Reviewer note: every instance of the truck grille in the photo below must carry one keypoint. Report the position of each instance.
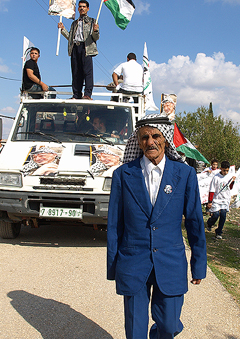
(68, 181)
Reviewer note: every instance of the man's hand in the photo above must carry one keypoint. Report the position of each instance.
(196, 281)
(61, 25)
(95, 27)
(44, 86)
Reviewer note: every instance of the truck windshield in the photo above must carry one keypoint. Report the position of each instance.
(74, 122)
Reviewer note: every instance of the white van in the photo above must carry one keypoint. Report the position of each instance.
(58, 161)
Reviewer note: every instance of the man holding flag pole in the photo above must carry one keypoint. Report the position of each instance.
(82, 47)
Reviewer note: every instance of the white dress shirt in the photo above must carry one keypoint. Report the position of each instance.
(153, 176)
(79, 33)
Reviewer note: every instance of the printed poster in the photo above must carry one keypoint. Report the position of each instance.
(105, 159)
(64, 8)
(168, 106)
(43, 160)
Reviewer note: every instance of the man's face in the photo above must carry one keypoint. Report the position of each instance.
(214, 165)
(224, 171)
(82, 9)
(44, 158)
(152, 143)
(34, 55)
(98, 125)
(168, 107)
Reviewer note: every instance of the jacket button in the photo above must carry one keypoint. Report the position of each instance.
(155, 250)
(154, 228)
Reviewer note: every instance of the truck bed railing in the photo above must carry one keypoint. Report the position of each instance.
(114, 97)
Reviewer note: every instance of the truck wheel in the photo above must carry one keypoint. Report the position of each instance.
(9, 230)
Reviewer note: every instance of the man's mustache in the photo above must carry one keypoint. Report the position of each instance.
(150, 148)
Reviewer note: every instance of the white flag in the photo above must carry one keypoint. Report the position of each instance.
(64, 8)
(147, 83)
(27, 45)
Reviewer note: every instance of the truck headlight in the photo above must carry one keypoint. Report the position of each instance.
(11, 179)
(107, 184)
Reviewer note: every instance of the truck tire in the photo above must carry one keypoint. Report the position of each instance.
(9, 230)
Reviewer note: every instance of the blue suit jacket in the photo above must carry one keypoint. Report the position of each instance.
(141, 236)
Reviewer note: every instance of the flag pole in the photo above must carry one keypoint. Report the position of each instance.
(100, 7)
(59, 34)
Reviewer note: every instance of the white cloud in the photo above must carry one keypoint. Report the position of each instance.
(3, 8)
(199, 82)
(4, 68)
(140, 7)
(8, 109)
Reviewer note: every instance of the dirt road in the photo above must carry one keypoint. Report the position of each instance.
(53, 286)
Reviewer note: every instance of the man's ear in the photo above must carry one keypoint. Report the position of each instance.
(166, 143)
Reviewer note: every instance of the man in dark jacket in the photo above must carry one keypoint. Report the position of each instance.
(82, 47)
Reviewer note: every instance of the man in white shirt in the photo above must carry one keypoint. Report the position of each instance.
(132, 73)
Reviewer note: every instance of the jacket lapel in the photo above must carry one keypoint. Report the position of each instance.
(75, 23)
(168, 185)
(137, 187)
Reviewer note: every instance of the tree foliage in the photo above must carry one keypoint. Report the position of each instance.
(213, 136)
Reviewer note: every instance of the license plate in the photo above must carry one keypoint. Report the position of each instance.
(57, 212)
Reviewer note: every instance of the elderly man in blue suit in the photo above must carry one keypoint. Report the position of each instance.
(146, 255)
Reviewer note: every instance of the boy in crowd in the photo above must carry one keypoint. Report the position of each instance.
(213, 168)
(219, 198)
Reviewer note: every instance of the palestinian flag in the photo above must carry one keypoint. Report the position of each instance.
(183, 145)
(122, 10)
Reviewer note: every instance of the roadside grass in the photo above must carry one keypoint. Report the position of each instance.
(224, 255)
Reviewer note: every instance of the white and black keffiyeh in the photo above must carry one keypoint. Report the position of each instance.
(163, 124)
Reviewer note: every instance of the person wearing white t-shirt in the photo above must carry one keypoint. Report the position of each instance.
(132, 73)
(213, 169)
(219, 198)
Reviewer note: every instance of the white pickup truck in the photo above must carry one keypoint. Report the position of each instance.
(58, 161)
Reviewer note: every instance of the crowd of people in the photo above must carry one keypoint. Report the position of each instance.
(82, 47)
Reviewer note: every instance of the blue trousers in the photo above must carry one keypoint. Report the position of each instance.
(165, 311)
(82, 70)
(221, 214)
(38, 88)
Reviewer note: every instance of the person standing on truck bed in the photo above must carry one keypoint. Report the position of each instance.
(132, 74)
(82, 47)
(31, 76)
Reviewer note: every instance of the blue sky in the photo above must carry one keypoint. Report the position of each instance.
(193, 47)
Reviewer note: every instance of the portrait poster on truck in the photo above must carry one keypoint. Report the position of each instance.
(43, 160)
(105, 159)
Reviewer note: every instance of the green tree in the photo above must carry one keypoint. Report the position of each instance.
(214, 136)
